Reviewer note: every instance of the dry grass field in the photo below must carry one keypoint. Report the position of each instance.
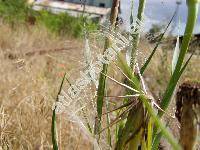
(29, 83)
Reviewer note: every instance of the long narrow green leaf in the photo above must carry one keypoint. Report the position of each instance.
(53, 125)
(100, 97)
(136, 37)
(175, 55)
(54, 132)
(102, 78)
(129, 49)
(109, 137)
(191, 21)
(156, 47)
(157, 139)
(185, 65)
(156, 142)
(159, 135)
(149, 135)
(160, 125)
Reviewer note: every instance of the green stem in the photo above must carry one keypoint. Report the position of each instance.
(191, 20)
(134, 121)
(53, 131)
(53, 125)
(136, 37)
(160, 125)
(102, 78)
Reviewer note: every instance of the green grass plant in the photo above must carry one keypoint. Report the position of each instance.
(140, 125)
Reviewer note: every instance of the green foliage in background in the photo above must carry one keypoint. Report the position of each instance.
(18, 12)
(14, 11)
(64, 24)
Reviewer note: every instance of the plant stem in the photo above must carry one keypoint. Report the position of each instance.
(160, 125)
(134, 122)
(191, 20)
(102, 78)
(136, 37)
(53, 125)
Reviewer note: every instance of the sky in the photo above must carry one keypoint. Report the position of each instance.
(160, 12)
